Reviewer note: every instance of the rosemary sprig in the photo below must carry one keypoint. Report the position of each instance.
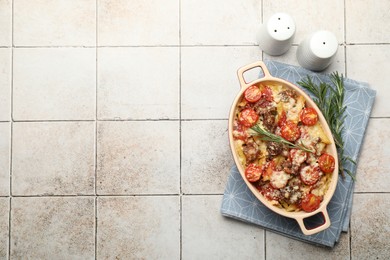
(330, 101)
(270, 137)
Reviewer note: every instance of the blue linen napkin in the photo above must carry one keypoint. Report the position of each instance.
(238, 201)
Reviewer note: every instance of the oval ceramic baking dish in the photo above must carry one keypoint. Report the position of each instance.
(299, 216)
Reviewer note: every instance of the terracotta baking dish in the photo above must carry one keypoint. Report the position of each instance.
(331, 149)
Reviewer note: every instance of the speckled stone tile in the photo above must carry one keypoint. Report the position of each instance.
(206, 156)
(127, 22)
(4, 227)
(206, 234)
(219, 22)
(310, 16)
(53, 228)
(55, 158)
(370, 226)
(138, 227)
(55, 23)
(281, 247)
(373, 162)
(5, 22)
(368, 63)
(138, 83)
(138, 157)
(209, 80)
(290, 57)
(5, 150)
(373, 27)
(54, 84)
(5, 84)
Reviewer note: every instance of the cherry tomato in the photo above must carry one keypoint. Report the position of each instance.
(310, 175)
(298, 156)
(282, 119)
(239, 132)
(310, 203)
(269, 192)
(279, 179)
(268, 169)
(253, 172)
(266, 93)
(308, 116)
(290, 131)
(327, 163)
(248, 117)
(252, 94)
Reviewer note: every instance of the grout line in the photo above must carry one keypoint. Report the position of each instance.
(154, 195)
(345, 40)
(180, 139)
(175, 45)
(99, 195)
(96, 127)
(11, 132)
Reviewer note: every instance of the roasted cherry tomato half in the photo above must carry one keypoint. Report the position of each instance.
(327, 163)
(310, 175)
(252, 94)
(308, 116)
(310, 203)
(297, 156)
(267, 93)
(269, 192)
(240, 132)
(290, 131)
(253, 172)
(248, 117)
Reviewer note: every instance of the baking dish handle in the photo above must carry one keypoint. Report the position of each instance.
(315, 230)
(256, 64)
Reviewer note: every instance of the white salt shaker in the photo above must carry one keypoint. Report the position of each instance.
(276, 35)
(317, 51)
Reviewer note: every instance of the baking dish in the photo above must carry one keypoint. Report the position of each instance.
(299, 216)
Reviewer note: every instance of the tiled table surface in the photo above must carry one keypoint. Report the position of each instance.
(113, 132)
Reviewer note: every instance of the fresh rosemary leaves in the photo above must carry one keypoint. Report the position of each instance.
(330, 100)
(270, 137)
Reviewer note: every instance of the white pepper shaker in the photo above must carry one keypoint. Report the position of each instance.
(317, 51)
(276, 35)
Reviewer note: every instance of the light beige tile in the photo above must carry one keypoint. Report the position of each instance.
(373, 165)
(5, 150)
(310, 16)
(369, 63)
(367, 22)
(55, 23)
(54, 84)
(55, 158)
(206, 234)
(281, 247)
(370, 226)
(206, 156)
(209, 80)
(5, 22)
(5, 84)
(138, 227)
(139, 157)
(290, 57)
(138, 83)
(127, 22)
(53, 228)
(219, 22)
(4, 227)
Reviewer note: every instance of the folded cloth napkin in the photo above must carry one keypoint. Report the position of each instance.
(238, 201)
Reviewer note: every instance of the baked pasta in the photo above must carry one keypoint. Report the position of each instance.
(291, 170)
